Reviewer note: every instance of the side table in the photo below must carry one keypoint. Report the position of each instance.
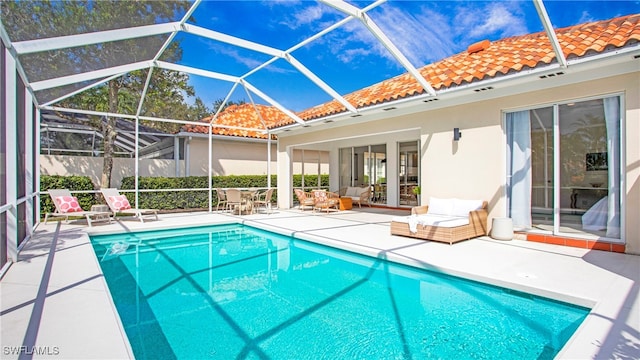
(103, 213)
(502, 229)
(346, 203)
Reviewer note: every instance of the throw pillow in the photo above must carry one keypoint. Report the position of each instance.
(440, 206)
(68, 204)
(320, 195)
(119, 202)
(463, 207)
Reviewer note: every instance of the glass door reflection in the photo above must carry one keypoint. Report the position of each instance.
(408, 173)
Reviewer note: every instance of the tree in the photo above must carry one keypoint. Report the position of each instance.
(26, 20)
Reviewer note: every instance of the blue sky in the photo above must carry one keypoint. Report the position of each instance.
(350, 57)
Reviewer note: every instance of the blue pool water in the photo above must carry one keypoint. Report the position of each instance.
(234, 291)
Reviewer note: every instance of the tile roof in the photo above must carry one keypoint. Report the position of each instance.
(499, 58)
(243, 116)
(484, 60)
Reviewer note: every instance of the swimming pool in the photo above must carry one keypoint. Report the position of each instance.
(234, 291)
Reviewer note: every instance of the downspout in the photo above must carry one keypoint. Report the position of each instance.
(187, 156)
(268, 160)
(176, 154)
(210, 170)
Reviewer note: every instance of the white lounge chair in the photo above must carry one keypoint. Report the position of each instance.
(120, 204)
(67, 205)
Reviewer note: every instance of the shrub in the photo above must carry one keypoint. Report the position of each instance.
(167, 200)
(73, 183)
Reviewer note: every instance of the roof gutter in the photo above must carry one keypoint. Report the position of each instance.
(186, 134)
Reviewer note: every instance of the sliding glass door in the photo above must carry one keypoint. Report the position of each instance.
(365, 166)
(408, 180)
(564, 167)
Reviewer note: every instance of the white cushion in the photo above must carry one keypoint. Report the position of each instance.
(352, 191)
(433, 220)
(443, 221)
(463, 207)
(362, 190)
(440, 206)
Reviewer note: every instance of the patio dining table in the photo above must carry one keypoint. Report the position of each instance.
(248, 195)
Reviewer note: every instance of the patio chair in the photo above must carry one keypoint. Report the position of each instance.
(234, 200)
(326, 200)
(67, 205)
(222, 199)
(304, 199)
(263, 199)
(120, 204)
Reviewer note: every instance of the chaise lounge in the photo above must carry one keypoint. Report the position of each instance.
(67, 206)
(444, 220)
(120, 204)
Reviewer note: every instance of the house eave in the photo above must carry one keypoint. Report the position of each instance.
(611, 63)
(186, 134)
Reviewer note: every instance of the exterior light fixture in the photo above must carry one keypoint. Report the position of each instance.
(456, 134)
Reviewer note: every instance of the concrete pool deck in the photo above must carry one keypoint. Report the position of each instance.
(55, 303)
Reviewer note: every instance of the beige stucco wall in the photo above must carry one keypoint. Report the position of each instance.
(92, 167)
(247, 158)
(229, 158)
(474, 167)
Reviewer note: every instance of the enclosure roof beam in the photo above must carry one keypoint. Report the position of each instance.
(548, 28)
(272, 102)
(383, 39)
(98, 37)
(195, 71)
(90, 75)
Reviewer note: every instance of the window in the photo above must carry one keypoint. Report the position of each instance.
(564, 167)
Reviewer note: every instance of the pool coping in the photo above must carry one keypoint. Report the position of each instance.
(612, 282)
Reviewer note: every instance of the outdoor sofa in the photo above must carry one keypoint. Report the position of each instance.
(444, 220)
(358, 195)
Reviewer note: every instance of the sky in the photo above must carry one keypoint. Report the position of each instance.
(350, 57)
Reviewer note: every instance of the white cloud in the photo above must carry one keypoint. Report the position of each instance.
(353, 42)
(498, 18)
(305, 16)
(235, 54)
(349, 55)
(585, 17)
(423, 34)
(423, 37)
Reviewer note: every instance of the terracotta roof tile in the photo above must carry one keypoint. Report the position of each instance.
(243, 116)
(500, 57)
(486, 60)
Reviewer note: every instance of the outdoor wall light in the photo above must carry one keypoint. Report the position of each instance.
(456, 134)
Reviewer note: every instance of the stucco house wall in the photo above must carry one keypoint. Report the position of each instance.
(92, 166)
(475, 166)
(248, 158)
(231, 157)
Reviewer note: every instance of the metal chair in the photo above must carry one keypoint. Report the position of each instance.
(263, 199)
(222, 199)
(234, 200)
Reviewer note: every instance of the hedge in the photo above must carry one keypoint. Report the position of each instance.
(168, 200)
(73, 183)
